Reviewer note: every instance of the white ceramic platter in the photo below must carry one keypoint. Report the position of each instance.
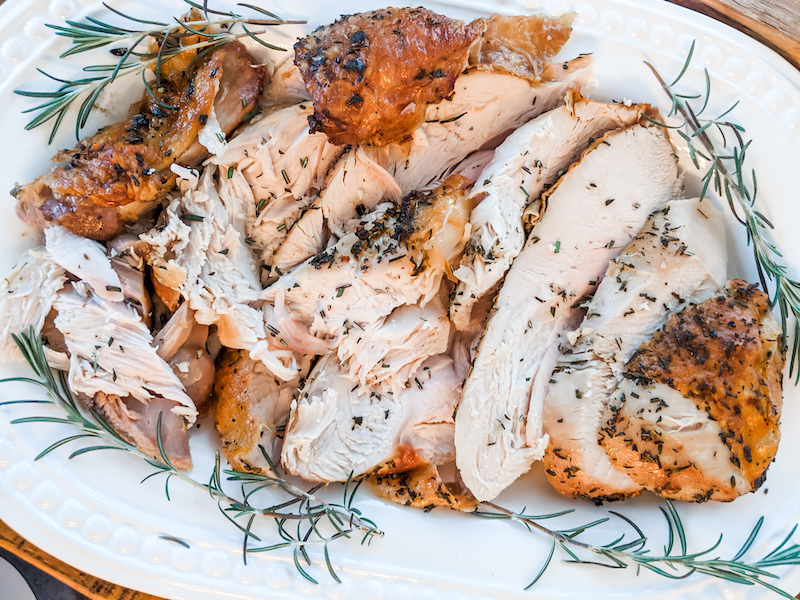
(92, 512)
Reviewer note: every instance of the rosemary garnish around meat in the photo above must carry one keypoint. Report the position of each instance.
(737, 186)
(139, 51)
(303, 519)
(621, 554)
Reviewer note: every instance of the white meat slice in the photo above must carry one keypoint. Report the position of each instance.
(388, 354)
(272, 165)
(27, 295)
(593, 212)
(390, 257)
(111, 352)
(286, 87)
(677, 258)
(86, 259)
(485, 105)
(524, 165)
(337, 430)
(202, 253)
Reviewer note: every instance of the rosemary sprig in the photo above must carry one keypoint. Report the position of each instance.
(675, 562)
(136, 56)
(318, 522)
(738, 187)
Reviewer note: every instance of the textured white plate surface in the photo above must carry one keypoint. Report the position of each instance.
(92, 512)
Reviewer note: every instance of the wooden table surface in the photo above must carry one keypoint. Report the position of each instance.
(776, 23)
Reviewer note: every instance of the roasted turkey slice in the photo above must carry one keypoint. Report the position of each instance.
(393, 256)
(696, 416)
(339, 429)
(527, 162)
(372, 74)
(251, 407)
(675, 260)
(592, 213)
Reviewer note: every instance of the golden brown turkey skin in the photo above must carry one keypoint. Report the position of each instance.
(725, 356)
(116, 175)
(371, 75)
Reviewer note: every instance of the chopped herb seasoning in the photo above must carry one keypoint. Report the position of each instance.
(285, 176)
(230, 172)
(191, 217)
(558, 247)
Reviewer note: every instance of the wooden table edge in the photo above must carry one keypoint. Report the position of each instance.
(89, 586)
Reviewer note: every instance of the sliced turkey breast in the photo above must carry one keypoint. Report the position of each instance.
(338, 430)
(390, 257)
(388, 353)
(199, 250)
(372, 74)
(27, 295)
(251, 410)
(86, 260)
(696, 417)
(676, 259)
(592, 213)
(485, 105)
(357, 180)
(273, 164)
(113, 363)
(524, 165)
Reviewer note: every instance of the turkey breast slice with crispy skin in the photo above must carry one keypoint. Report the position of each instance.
(677, 258)
(390, 257)
(592, 213)
(486, 105)
(339, 430)
(251, 410)
(696, 415)
(524, 165)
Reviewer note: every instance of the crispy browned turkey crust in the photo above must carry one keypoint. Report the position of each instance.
(726, 355)
(421, 487)
(238, 430)
(115, 176)
(371, 75)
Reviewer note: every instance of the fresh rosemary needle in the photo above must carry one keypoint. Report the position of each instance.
(137, 56)
(675, 562)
